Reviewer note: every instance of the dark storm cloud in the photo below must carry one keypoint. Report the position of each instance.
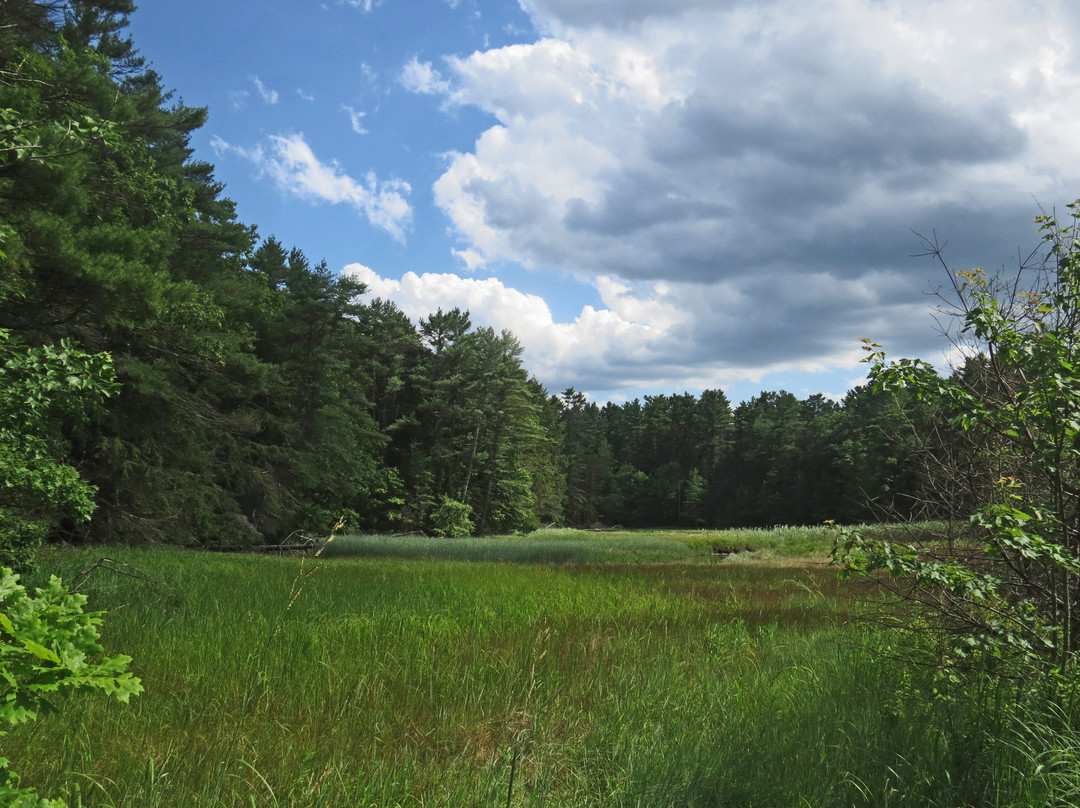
(853, 130)
(760, 169)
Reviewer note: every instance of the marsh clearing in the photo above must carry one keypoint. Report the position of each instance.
(580, 670)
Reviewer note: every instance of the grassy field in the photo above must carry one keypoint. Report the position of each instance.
(567, 546)
(558, 669)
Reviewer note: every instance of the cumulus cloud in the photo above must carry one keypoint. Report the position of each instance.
(556, 352)
(293, 166)
(749, 172)
(647, 334)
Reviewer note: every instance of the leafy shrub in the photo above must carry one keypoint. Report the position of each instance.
(451, 519)
(1013, 408)
(48, 648)
(43, 389)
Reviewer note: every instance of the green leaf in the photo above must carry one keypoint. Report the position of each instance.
(40, 651)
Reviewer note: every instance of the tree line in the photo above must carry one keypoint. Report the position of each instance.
(775, 459)
(256, 393)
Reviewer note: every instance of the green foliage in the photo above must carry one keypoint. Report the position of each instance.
(451, 519)
(42, 390)
(512, 506)
(559, 546)
(49, 647)
(694, 499)
(1009, 587)
(775, 459)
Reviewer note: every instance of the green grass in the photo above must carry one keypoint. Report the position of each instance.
(570, 546)
(591, 678)
(542, 547)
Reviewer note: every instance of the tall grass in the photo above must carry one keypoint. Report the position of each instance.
(570, 546)
(393, 682)
(541, 547)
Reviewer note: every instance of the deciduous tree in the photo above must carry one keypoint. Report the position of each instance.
(1009, 588)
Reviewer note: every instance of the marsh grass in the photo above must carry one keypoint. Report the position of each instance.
(541, 547)
(571, 546)
(383, 681)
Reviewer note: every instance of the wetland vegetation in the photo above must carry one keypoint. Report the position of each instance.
(640, 669)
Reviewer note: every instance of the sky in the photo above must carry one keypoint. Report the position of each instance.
(654, 197)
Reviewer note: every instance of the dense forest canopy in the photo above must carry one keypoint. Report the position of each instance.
(260, 393)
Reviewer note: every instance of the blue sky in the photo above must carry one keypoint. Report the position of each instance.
(654, 197)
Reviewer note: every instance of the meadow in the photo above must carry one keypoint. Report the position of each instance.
(562, 668)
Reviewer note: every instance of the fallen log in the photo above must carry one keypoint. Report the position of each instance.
(287, 547)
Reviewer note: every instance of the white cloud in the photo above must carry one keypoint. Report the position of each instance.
(238, 98)
(268, 95)
(356, 119)
(300, 91)
(553, 350)
(222, 147)
(421, 77)
(639, 337)
(471, 258)
(293, 166)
